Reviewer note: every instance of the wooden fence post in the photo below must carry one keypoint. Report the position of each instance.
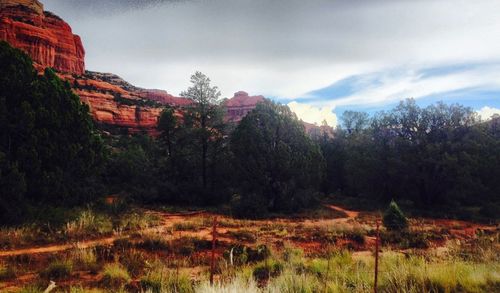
(377, 239)
(212, 261)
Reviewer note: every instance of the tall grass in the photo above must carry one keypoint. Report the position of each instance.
(160, 279)
(88, 223)
(341, 272)
(115, 276)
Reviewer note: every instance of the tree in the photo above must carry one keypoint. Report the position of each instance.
(168, 125)
(278, 167)
(47, 139)
(204, 114)
(394, 219)
(355, 121)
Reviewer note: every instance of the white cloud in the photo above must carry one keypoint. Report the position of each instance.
(487, 112)
(314, 115)
(283, 48)
(390, 87)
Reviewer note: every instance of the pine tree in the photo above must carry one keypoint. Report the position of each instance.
(394, 219)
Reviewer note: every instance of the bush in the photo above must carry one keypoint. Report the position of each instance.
(85, 259)
(115, 276)
(394, 219)
(88, 223)
(137, 221)
(57, 270)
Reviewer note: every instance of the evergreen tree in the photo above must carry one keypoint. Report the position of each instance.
(278, 167)
(49, 151)
(394, 219)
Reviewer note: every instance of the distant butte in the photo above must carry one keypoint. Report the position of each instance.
(240, 105)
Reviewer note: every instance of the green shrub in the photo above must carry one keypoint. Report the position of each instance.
(137, 221)
(57, 270)
(394, 219)
(115, 276)
(88, 223)
(85, 259)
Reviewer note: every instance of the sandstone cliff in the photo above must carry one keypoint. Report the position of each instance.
(240, 105)
(114, 103)
(44, 36)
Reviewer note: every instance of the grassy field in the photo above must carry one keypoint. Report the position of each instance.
(329, 250)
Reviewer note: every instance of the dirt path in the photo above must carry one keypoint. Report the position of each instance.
(350, 214)
(168, 220)
(61, 247)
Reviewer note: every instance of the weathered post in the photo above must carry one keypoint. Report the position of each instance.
(212, 262)
(377, 239)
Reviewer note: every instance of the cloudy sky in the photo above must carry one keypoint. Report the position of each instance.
(320, 57)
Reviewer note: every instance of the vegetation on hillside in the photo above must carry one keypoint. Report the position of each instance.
(49, 151)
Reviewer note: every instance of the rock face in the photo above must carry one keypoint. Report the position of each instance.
(240, 105)
(114, 103)
(31, 4)
(160, 96)
(44, 36)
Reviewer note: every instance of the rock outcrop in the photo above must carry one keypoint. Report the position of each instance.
(114, 103)
(34, 5)
(44, 36)
(240, 105)
(117, 105)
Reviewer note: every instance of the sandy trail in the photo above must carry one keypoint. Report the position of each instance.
(168, 219)
(61, 247)
(350, 214)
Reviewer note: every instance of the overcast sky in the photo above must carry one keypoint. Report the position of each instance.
(320, 57)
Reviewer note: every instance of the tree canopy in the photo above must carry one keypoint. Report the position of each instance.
(278, 167)
(48, 148)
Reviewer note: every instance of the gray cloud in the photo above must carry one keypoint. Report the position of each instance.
(279, 48)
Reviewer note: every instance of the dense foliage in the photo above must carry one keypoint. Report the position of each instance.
(48, 149)
(441, 155)
(394, 219)
(426, 158)
(278, 167)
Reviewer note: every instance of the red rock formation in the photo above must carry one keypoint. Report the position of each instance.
(240, 105)
(114, 104)
(44, 36)
(163, 97)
